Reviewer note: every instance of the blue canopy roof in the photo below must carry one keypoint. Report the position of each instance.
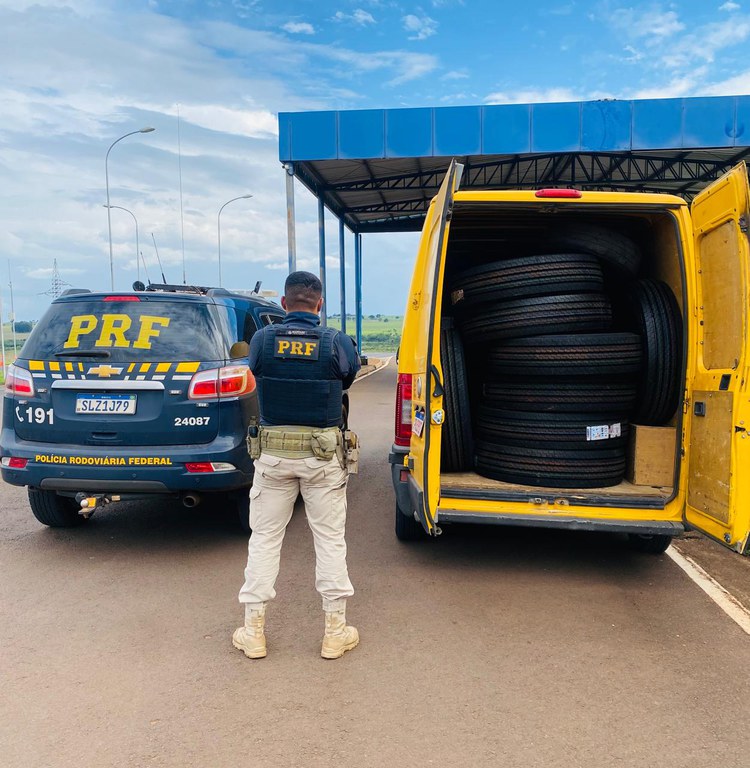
(378, 168)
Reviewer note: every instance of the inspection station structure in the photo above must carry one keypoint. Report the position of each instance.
(376, 170)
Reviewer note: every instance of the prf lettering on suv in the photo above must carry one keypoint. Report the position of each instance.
(135, 395)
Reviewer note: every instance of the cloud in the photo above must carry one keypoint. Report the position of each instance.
(299, 28)
(455, 75)
(660, 40)
(654, 26)
(706, 42)
(729, 7)
(358, 17)
(532, 96)
(420, 27)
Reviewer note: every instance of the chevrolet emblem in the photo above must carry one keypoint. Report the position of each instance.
(104, 371)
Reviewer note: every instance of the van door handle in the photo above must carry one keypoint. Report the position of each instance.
(438, 391)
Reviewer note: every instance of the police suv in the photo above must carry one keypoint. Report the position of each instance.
(133, 395)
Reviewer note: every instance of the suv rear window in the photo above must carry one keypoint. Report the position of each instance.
(124, 331)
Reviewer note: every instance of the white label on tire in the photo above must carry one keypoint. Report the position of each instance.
(597, 433)
(604, 432)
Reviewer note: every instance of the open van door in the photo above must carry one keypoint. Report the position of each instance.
(718, 482)
(427, 384)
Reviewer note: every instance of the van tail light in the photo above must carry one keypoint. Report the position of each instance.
(403, 409)
(19, 382)
(549, 192)
(230, 381)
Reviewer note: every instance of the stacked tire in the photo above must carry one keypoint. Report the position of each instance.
(565, 350)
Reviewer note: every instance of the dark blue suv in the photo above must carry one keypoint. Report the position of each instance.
(134, 395)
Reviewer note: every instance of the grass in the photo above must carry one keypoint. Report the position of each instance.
(10, 354)
(380, 333)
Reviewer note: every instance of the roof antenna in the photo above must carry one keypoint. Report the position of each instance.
(145, 268)
(257, 287)
(161, 269)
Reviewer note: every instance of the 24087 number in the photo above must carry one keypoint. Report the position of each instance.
(191, 421)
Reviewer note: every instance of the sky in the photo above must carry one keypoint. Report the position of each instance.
(211, 76)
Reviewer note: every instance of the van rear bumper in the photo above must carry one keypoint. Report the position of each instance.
(644, 527)
(400, 477)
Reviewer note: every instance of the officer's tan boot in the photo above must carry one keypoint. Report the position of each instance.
(339, 638)
(250, 639)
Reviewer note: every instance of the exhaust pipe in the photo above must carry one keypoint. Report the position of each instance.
(191, 500)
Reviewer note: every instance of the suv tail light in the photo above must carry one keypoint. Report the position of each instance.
(18, 381)
(230, 381)
(403, 409)
(14, 462)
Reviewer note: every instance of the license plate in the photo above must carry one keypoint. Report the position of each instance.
(110, 405)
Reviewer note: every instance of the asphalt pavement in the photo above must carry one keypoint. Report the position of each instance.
(485, 647)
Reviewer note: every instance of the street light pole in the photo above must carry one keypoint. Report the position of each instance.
(218, 227)
(109, 214)
(137, 245)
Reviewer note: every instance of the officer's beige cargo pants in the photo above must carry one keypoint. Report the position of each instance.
(276, 485)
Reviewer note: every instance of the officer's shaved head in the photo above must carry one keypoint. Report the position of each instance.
(302, 292)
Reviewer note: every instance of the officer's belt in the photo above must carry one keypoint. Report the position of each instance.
(293, 442)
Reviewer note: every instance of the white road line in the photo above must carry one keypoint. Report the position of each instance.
(379, 368)
(726, 601)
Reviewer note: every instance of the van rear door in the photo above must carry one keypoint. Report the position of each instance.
(427, 387)
(718, 483)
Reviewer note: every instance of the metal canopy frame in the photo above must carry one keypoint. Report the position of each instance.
(377, 170)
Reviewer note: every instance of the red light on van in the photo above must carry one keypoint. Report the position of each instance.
(121, 298)
(403, 409)
(18, 381)
(551, 192)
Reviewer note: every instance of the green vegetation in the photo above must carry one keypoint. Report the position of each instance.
(9, 353)
(380, 333)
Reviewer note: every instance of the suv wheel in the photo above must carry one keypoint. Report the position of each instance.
(53, 510)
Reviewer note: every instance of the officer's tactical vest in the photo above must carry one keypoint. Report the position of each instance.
(298, 385)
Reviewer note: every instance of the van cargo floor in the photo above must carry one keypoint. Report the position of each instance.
(470, 485)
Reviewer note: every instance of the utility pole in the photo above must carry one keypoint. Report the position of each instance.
(2, 336)
(12, 312)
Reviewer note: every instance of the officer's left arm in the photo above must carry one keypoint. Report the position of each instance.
(346, 360)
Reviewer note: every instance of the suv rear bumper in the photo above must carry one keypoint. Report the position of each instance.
(131, 469)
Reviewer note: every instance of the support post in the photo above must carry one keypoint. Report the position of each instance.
(290, 231)
(322, 258)
(342, 274)
(358, 287)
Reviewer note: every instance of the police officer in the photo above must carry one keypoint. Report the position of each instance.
(301, 370)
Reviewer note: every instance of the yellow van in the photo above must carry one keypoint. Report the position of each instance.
(689, 469)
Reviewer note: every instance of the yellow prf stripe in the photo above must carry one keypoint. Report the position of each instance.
(36, 365)
(69, 367)
(187, 367)
(145, 367)
(162, 367)
(54, 366)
